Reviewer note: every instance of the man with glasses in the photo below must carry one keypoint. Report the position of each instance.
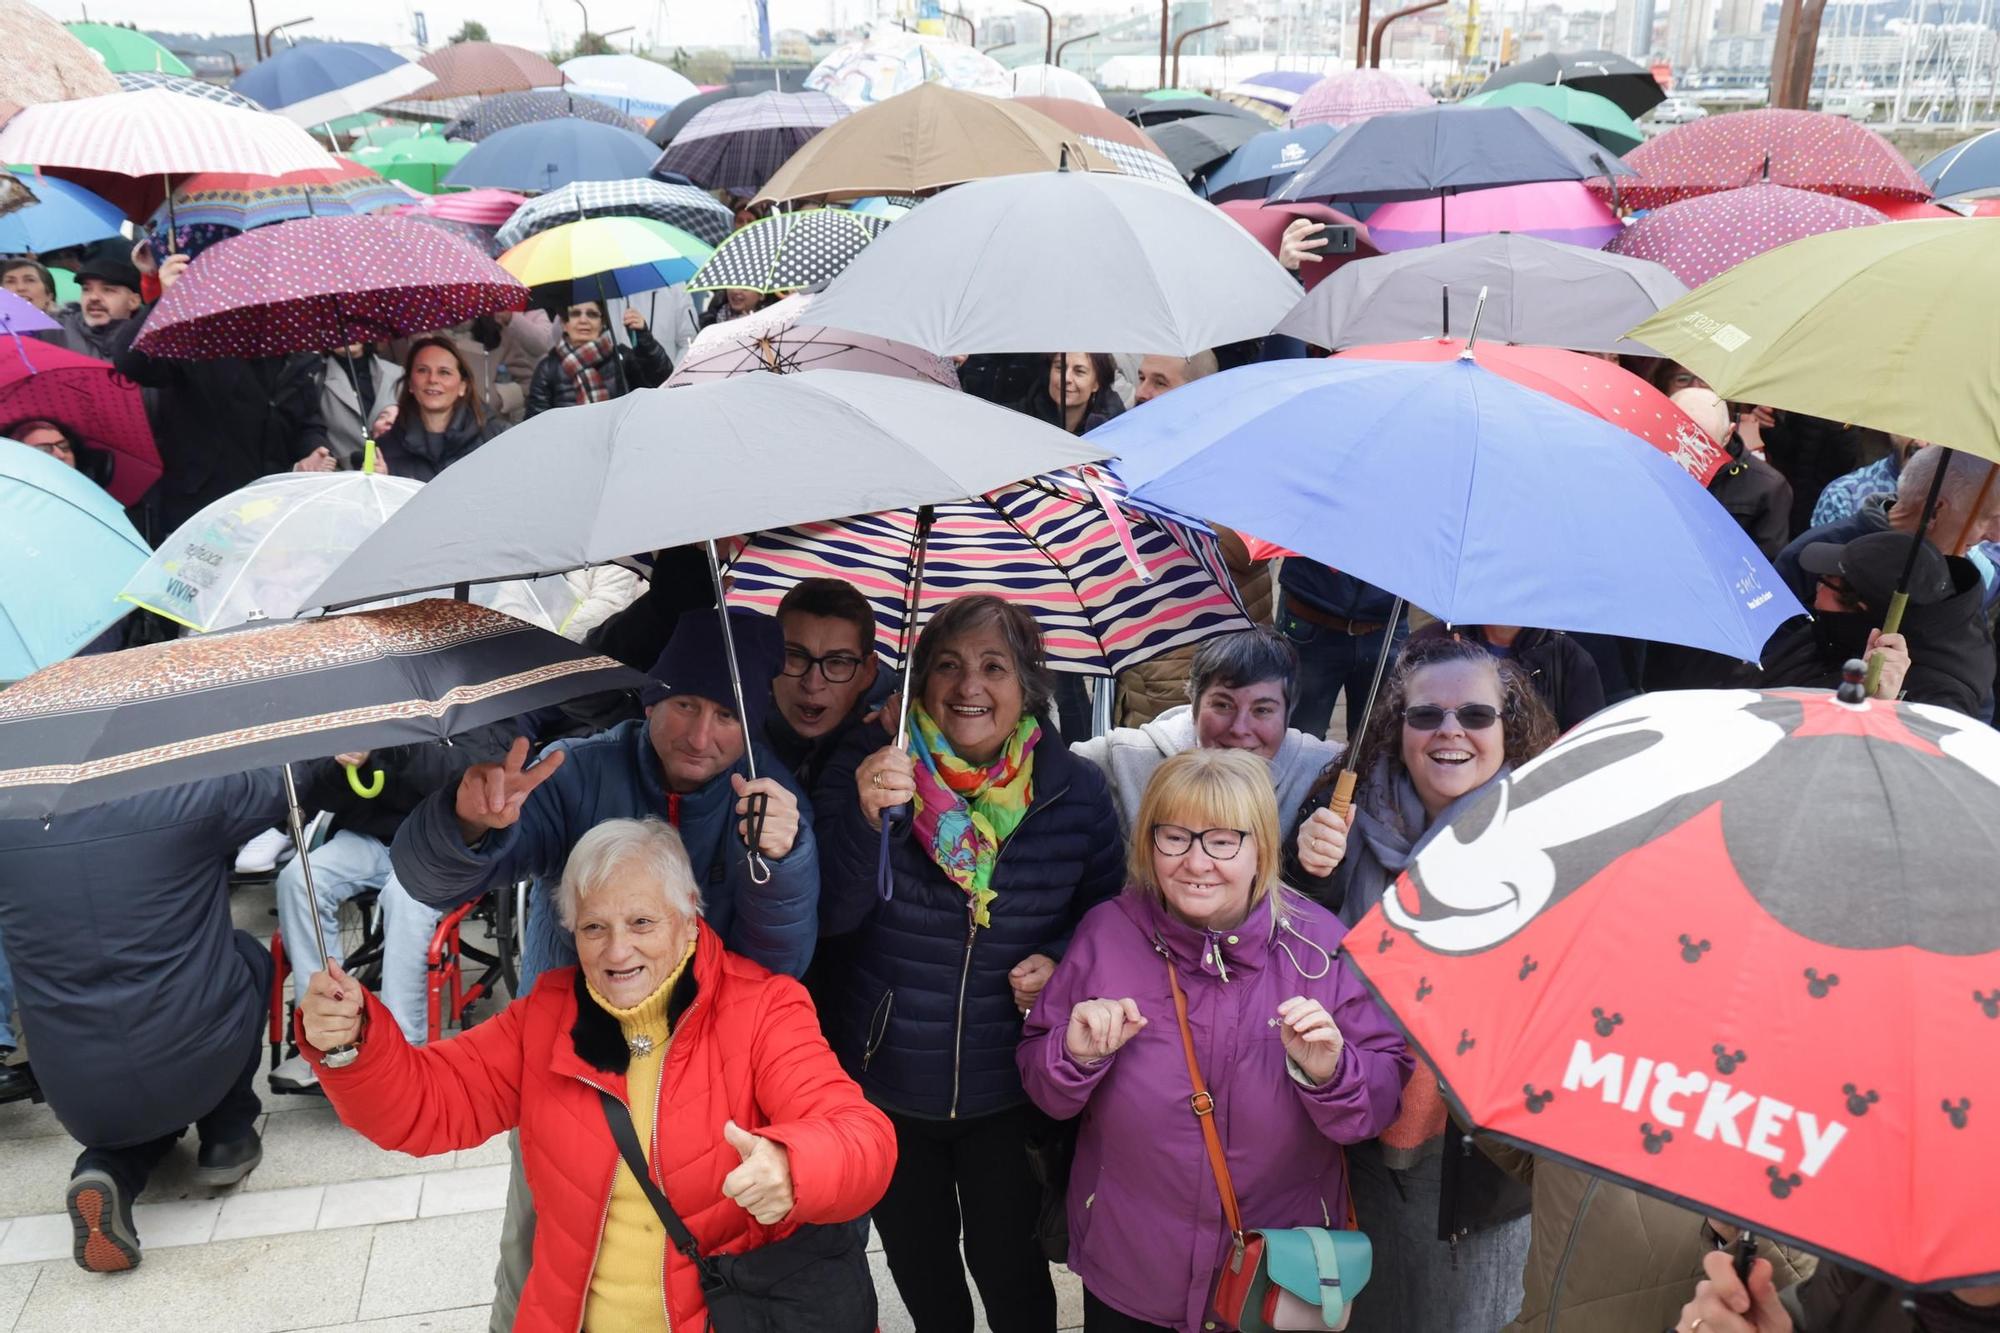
(824, 688)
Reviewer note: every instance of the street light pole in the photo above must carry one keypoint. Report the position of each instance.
(1048, 31)
(256, 33)
(1219, 23)
(1067, 43)
(1163, 41)
(971, 28)
(270, 35)
(585, 38)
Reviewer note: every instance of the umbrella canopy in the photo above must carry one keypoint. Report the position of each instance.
(124, 147)
(1703, 237)
(1608, 959)
(343, 280)
(239, 201)
(18, 316)
(783, 339)
(632, 84)
(891, 62)
(503, 111)
(1055, 83)
(63, 214)
(957, 275)
(664, 128)
(602, 258)
(127, 49)
(422, 161)
(788, 251)
(1194, 144)
(1539, 293)
(42, 61)
(693, 211)
(1563, 211)
(1595, 115)
(480, 69)
(43, 382)
(1279, 89)
(1159, 107)
(322, 81)
(1965, 167)
(1861, 326)
(740, 455)
(1068, 547)
(479, 238)
(922, 141)
(65, 550)
(1094, 122)
(133, 81)
(95, 729)
(1318, 456)
(1806, 150)
(1349, 96)
(478, 208)
(1630, 86)
(551, 153)
(1265, 162)
(738, 144)
(1412, 154)
(1267, 226)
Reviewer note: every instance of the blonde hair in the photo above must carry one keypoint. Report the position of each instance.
(1200, 789)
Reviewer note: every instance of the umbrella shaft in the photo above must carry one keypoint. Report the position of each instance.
(729, 655)
(305, 863)
(1343, 789)
(1893, 621)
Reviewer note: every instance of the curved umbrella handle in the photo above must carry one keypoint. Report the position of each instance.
(368, 790)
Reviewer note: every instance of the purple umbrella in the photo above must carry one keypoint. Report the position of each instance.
(737, 144)
(1704, 237)
(17, 316)
(321, 283)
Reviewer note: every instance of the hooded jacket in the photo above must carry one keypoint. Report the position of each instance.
(411, 451)
(1147, 1235)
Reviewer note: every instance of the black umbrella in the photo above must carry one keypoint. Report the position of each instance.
(1194, 144)
(1632, 86)
(1150, 111)
(503, 111)
(1442, 149)
(666, 127)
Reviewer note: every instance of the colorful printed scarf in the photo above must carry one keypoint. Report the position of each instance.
(580, 367)
(964, 813)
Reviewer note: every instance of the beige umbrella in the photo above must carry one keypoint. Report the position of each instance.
(923, 140)
(42, 61)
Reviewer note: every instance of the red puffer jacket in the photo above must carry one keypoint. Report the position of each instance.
(746, 1046)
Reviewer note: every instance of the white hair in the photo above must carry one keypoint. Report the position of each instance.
(649, 846)
(1962, 481)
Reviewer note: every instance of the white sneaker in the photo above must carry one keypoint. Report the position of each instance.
(260, 854)
(295, 1075)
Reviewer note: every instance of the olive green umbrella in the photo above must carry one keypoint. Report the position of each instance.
(1598, 117)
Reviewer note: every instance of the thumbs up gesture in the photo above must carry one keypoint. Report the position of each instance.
(762, 1185)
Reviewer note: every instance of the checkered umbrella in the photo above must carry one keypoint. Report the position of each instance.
(789, 251)
(490, 115)
(693, 211)
(1137, 161)
(135, 80)
(737, 144)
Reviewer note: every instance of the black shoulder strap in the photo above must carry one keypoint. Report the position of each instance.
(627, 1139)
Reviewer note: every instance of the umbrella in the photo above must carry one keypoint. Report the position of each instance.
(133, 81)
(322, 81)
(693, 211)
(1438, 150)
(552, 153)
(1146, 163)
(1266, 224)
(789, 250)
(63, 214)
(1318, 457)
(1111, 583)
(783, 339)
(1608, 958)
(1054, 83)
(17, 316)
(737, 145)
(65, 549)
(889, 62)
(478, 208)
(1349, 96)
(1563, 211)
(664, 128)
(1604, 389)
(639, 87)
(479, 69)
(44, 62)
(1093, 122)
(240, 201)
(1705, 236)
(1595, 115)
(127, 49)
(479, 238)
(1280, 88)
(43, 382)
(1631, 86)
(1196, 143)
(503, 111)
(422, 161)
(346, 280)
(1265, 162)
(922, 141)
(1154, 109)
(1807, 150)
(1175, 95)
(1965, 167)
(957, 275)
(14, 195)
(602, 258)
(1541, 293)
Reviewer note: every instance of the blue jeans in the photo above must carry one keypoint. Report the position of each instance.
(346, 864)
(1332, 662)
(8, 1037)
(545, 944)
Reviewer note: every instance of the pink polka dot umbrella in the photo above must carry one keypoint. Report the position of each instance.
(1806, 150)
(1702, 238)
(321, 283)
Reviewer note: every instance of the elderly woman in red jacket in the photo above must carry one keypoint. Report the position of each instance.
(744, 1116)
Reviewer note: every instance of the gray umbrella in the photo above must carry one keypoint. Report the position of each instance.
(1540, 293)
(1049, 260)
(1196, 143)
(1439, 149)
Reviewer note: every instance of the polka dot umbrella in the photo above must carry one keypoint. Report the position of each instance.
(790, 251)
(1806, 150)
(321, 283)
(1702, 238)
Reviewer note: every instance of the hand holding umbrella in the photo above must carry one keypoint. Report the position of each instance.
(333, 1012)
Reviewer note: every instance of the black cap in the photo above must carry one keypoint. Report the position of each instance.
(109, 261)
(1871, 566)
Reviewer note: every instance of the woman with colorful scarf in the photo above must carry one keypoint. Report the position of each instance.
(931, 958)
(590, 363)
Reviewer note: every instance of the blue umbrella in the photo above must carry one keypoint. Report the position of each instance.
(1266, 162)
(1965, 167)
(552, 153)
(1465, 494)
(324, 81)
(66, 550)
(1438, 149)
(66, 214)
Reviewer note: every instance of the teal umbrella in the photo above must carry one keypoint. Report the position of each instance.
(1593, 114)
(65, 551)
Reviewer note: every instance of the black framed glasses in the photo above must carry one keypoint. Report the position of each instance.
(834, 668)
(1221, 844)
(1473, 717)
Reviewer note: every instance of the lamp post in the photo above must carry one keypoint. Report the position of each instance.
(1067, 43)
(1206, 27)
(1048, 31)
(1382, 25)
(256, 31)
(971, 28)
(270, 46)
(584, 38)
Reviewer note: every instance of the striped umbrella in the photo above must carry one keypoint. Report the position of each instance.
(481, 208)
(138, 80)
(601, 258)
(1112, 583)
(504, 111)
(694, 211)
(241, 201)
(789, 251)
(478, 69)
(737, 144)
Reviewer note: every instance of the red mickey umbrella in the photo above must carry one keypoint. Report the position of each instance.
(321, 283)
(1807, 150)
(1733, 948)
(1701, 238)
(1602, 388)
(42, 382)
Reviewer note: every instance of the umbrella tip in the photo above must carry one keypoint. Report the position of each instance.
(1853, 682)
(1472, 333)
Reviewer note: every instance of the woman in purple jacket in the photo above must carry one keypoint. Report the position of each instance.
(1298, 1057)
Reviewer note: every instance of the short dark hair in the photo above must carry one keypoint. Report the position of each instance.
(1244, 658)
(1017, 629)
(834, 599)
(1527, 725)
(41, 270)
(1101, 365)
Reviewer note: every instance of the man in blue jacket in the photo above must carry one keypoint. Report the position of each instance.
(1337, 623)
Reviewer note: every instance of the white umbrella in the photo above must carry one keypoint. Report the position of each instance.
(783, 339)
(632, 84)
(1052, 81)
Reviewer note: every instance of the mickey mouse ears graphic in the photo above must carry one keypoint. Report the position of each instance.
(1764, 936)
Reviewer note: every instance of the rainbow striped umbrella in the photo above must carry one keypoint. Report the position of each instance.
(600, 258)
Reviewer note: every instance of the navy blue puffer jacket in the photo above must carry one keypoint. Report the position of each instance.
(922, 1014)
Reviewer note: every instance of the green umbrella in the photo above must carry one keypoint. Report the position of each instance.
(419, 162)
(374, 132)
(127, 51)
(1598, 117)
(1167, 94)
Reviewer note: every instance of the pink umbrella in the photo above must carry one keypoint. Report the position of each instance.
(101, 408)
(1356, 94)
(1268, 223)
(484, 207)
(1553, 210)
(1807, 150)
(781, 339)
(1700, 238)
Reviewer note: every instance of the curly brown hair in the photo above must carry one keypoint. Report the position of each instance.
(1526, 723)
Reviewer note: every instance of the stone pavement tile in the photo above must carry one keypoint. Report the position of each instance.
(437, 1263)
(472, 1190)
(36, 1174)
(268, 1213)
(15, 1284)
(26, 1120)
(241, 1286)
(34, 1239)
(182, 1222)
(355, 1203)
(1069, 1298)
(493, 1152)
(466, 1319)
(312, 1147)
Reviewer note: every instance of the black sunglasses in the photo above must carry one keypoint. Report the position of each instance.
(1473, 717)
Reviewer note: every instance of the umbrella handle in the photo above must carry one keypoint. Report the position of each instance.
(368, 454)
(1891, 624)
(368, 790)
(1342, 801)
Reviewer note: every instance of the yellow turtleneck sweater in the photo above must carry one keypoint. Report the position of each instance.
(626, 1286)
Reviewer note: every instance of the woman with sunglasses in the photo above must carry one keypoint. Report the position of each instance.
(591, 364)
(1297, 1058)
(1451, 718)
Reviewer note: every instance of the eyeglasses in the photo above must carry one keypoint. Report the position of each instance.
(1220, 844)
(1473, 717)
(834, 668)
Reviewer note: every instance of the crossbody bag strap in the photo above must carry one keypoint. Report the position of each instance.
(627, 1139)
(1203, 1105)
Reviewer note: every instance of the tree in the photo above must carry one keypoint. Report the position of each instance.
(472, 30)
(591, 44)
(703, 66)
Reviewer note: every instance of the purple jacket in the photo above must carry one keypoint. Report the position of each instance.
(1145, 1219)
